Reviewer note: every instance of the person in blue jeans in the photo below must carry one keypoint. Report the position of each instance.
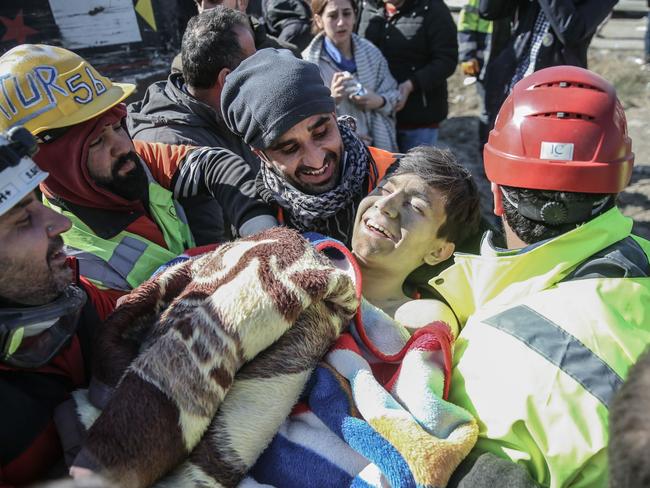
(422, 136)
(418, 38)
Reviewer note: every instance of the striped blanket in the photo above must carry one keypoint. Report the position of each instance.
(373, 414)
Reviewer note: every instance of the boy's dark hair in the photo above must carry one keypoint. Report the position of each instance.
(440, 169)
(532, 231)
(629, 426)
(210, 44)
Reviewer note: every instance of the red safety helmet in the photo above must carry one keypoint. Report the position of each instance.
(562, 129)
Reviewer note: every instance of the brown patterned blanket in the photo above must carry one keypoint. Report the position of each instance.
(192, 350)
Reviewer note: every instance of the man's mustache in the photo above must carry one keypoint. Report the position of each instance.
(330, 157)
(123, 160)
(54, 246)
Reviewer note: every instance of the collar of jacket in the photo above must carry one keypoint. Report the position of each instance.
(176, 91)
(506, 276)
(106, 224)
(259, 30)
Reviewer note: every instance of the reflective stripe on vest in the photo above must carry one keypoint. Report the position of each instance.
(127, 259)
(125, 255)
(95, 269)
(127, 252)
(560, 348)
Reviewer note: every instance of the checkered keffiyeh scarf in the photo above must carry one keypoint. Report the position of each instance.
(331, 213)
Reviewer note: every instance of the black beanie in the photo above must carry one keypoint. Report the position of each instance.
(269, 93)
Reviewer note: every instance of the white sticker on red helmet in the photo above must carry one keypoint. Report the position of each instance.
(561, 151)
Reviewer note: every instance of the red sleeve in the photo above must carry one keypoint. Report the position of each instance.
(104, 301)
(163, 160)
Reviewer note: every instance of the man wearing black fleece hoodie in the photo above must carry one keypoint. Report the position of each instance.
(184, 109)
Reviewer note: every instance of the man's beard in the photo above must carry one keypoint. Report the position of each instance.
(131, 186)
(312, 189)
(30, 283)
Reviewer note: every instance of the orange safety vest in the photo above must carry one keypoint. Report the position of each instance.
(383, 159)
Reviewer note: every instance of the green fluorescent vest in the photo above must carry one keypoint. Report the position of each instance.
(538, 359)
(127, 259)
(470, 21)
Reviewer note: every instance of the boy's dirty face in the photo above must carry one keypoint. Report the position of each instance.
(397, 225)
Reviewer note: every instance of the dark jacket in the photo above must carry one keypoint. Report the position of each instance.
(169, 115)
(572, 25)
(420, 44)
(289, 21)
(263, 39)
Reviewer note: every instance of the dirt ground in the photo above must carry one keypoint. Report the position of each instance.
(459, 131)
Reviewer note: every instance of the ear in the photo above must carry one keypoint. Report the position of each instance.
(498, 200)
(319, 21)
(221, 77)
(440, 254)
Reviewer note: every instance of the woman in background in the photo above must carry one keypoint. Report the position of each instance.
(356, 72)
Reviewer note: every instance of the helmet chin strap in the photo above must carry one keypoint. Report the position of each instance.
(554, 212)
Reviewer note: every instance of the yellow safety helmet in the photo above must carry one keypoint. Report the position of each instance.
(47, 87)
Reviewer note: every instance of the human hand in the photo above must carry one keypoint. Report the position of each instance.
(369, 101)
(470, 68)
(405, 89)
(339, 82)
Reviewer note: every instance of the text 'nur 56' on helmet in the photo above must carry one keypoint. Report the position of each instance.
(47, 87)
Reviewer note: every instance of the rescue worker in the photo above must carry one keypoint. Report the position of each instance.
(315, 170)
(47, 319)
(553, 322)
(261, 36)
(544, 33)
(119, 195)
(479, 41)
